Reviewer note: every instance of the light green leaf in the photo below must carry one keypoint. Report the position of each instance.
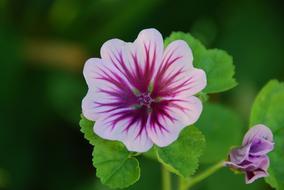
(220, 70)
(217, 64)
(268, 109)
(87, 129)
(115, 165)
(222, 128)
(182, 156)
(196, 46)
(149, 180)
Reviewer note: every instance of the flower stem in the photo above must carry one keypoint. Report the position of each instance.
(186, 184)
(205, 174)
(182, 182)
(166, 179)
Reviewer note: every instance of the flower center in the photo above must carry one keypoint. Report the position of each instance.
(145, 99)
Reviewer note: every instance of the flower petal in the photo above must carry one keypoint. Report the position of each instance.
(138, 61)
(125, 126)
(115, 52)
(151, 45)
(251, 164)
(254, 167)
(90, 70)
(258, 131)
(176, 75)
(255, 162)
(116, 118)
(169, 117)
(251, 176)
(88, 107)
(233, 165)
(108, 91)
(261, 147)
(239, 154)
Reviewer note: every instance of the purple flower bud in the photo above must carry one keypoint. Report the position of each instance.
(251, 158)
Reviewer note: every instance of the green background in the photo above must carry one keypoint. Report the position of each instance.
(43, 46)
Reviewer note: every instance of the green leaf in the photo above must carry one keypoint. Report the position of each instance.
(181, 157)
(150, 177)
(196, 46)
(218, 123)
(115, 165)
(268, 109)
(220, 70)
(217, 64)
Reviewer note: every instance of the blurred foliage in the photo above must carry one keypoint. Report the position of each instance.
(64, 92)
(40, 142)
(217, 122)
(226, 179)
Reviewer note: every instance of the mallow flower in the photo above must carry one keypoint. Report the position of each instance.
(142, 93)
(251, 158)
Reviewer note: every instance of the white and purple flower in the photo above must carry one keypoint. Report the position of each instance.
(141, 93)
(251, 158)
